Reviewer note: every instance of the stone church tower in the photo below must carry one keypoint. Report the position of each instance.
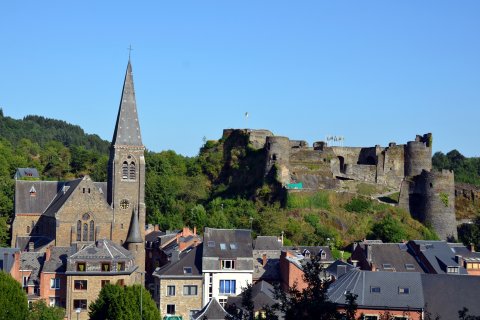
(126, 176)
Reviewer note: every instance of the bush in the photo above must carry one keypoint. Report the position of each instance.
(389, 229)
(358, 205)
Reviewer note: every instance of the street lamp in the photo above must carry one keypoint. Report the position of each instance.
(142, 273)
(77, 311)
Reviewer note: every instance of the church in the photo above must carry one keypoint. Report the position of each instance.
(75, 236)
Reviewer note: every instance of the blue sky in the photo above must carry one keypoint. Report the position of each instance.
(371, 71)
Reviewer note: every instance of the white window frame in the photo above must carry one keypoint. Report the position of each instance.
(55, 283)
(230, 262)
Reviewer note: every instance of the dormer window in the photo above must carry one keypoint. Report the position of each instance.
(105, 267)
(121, 266)
(228, 264)
(452, 269)
(33, 192)
(187, 270)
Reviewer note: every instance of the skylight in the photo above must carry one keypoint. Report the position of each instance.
(409, 266)
(233, 246)
(223, 246)
(211, 244)
(187, 270)
(375, 289)
(387, 266)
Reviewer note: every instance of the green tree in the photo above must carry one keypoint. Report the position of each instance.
(312, 302)
(389, 229)
(13, 300)
(40, 311)
(123, 303)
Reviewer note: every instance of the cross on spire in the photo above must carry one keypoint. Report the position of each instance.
(129, 51)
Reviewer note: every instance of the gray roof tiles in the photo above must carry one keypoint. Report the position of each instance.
(439, 255)
(26, 173)
(394, 257)
(267, 243)
(29, 202)
(32, 261)
(191, 259)
(446, 294)
(389, 284)
(7, 258)
(212, 311)
(102, 250)
(127, 127)
(58, 259)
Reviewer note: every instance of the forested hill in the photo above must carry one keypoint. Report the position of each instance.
(42, 130)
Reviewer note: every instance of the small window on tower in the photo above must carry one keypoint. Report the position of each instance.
(125, 170)
(132, 171)
(124, 204)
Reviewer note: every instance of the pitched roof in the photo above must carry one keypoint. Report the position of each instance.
(212, 311)
(34, 197)
(393, 257)
(191, 259)
(32, 261)
(134, 235)
(467, 254)
(446, 294)
(339, 268)
(271, 270)
(439, 255)
(7, 258)
(127, 127)
(263, 294)
(267, 243)
(227, 243)
(39, 242)
(58, 259)
(102, 250)
(26, 172)
(379, 289)
(61, 197)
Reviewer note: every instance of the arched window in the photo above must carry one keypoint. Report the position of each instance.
(85, 232)
(28, 229)
(125, 170)
(132, 171)
(79, 230)
(92, 231)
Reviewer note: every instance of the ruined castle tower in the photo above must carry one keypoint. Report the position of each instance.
(438, 190)
(278, 155)
(418, 155)
(126, 175)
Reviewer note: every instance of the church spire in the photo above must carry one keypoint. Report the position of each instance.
(134, 235)
(127, 128)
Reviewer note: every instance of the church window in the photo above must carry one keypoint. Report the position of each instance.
(85, 216)
(28, 229)
(79, 230)
(125, 170)
(85, 232)
(132, 171)
(92, 230)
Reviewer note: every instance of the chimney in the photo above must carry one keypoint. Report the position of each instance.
(471, 247)
(156, 227)
(194, 230)
(31, 246)
(459, 260)
(264, 259)
(368, 249)
(48, 253)
(355, 263)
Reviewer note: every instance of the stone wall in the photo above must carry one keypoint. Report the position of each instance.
(184, 304)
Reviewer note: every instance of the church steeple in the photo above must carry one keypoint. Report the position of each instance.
(127, 128)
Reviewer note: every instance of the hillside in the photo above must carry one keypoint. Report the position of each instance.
(225, 186)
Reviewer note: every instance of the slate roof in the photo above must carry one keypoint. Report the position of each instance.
(393, 257)
(45, 192)
(263, 294)
(271, 270)
(26, 173)
(49, 195)
(7, 258)
(39, 242)
(446, 294)
(314, 250)
(461, 250)
(227, 244)
(213, 238)
(267, 243)
(32, 261)
(154, 236)
(134, 235)
(212, 311)
(127, 127)
(101, 250)
(58, 259)
(191, 259)
(61, 197)
(335, 268)
(439, 255)
(364, 284)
